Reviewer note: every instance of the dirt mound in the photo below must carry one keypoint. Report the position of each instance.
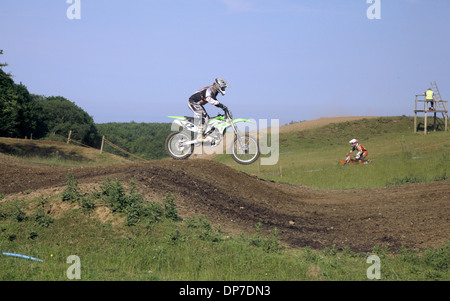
(414, 216)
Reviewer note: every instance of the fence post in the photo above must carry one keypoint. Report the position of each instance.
(415, 116)
(446, 115)
(68, 138)
(103, 141)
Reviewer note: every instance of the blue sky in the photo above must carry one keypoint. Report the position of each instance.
(290, 60)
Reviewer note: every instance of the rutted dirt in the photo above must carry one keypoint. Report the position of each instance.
(414, 216)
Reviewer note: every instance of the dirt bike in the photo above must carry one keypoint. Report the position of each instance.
(180, 145)
(349, 160)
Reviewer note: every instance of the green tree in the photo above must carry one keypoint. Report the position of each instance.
(24, 115)
(8, 113)
(60, 116)
(18, 111)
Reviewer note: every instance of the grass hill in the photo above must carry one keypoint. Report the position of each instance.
(310, 157)
(56, 153)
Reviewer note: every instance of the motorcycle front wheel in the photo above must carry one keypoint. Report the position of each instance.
(245, 151)
(176, 145)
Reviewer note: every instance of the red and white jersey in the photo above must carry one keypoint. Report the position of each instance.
(361, 149)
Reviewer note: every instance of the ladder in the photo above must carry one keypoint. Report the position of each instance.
(438, 104)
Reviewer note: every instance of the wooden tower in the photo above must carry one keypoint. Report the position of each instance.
(440, 106)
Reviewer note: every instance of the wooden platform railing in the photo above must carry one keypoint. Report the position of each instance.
(439, 107)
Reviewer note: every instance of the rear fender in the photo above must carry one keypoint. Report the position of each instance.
(182, 122)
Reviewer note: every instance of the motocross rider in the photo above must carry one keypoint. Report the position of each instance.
(362, 152)
(206, 95)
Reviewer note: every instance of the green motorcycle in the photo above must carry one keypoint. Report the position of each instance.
(180, 144)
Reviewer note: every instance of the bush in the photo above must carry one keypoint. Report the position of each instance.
(269, 244)
(171, 211)
(204, 228)
(154, 213)
(132, 204)
(19, 215)
(113, 194)
(118, 199)
(3, 215)
(42, 219)
(72, 193)
(88, 203)
(438, 258)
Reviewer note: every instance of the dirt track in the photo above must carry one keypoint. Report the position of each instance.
(414, 216)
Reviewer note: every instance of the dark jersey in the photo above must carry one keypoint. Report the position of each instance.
(204, 95)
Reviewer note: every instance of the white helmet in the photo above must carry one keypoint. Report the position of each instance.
(220, 84)
(353, 142)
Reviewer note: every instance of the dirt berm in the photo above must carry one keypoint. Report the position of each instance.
(413, 216)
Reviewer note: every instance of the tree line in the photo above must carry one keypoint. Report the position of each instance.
(26, 115)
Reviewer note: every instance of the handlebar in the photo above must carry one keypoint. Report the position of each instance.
(227, 114)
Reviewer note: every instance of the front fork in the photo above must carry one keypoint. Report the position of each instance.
(233, 126)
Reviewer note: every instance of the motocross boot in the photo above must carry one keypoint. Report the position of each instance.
(200, 133)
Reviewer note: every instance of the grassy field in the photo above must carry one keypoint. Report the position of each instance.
(310, 157)
(149, 242)
(116, 236)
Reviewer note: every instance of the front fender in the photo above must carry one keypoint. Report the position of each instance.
(242, 120)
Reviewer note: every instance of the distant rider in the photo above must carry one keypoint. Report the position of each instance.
(206, 95)
(362, 151)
